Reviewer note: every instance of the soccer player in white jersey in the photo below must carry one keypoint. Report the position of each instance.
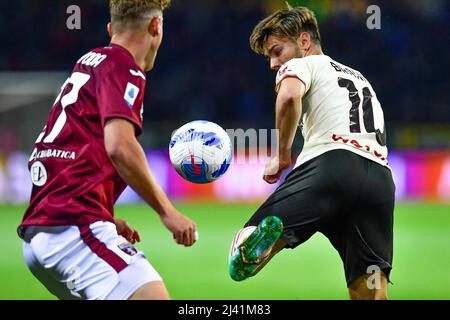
(341, 184)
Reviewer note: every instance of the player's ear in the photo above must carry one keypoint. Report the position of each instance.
(155, 26)
(304, 40)
(109, 29)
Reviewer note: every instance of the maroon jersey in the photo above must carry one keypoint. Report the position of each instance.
(74, 181)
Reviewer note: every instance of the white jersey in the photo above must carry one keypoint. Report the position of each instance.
(340, 109)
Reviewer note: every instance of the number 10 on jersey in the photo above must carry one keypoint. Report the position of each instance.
(368, 116)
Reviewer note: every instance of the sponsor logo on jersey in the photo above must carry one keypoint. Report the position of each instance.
(52, 153)
(131, 93)
(355, 143)
(38, 174)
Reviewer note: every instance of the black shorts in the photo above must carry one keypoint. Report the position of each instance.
(348, 198)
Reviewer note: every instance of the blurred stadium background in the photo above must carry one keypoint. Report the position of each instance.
(205, 70)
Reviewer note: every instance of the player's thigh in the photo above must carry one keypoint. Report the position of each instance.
(90, 262)
(364, 234)
(131, 269)
(308, 198)
(155, 290)
(43, 275)
(139, 280)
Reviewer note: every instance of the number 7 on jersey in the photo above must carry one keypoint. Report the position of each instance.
(78, 80)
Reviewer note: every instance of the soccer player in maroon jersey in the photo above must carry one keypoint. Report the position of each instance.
(83, 160)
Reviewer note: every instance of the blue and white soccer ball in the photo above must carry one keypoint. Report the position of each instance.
(200, 151)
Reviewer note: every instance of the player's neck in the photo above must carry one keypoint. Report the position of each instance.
(313, 51)
(134, 47)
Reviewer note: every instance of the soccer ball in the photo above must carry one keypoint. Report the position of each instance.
(200, 151)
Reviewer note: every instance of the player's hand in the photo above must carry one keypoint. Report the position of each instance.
(274, 169)
(127, 231)
(182, 228)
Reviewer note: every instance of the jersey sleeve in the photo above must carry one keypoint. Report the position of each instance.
(120, 95)
(299, 68)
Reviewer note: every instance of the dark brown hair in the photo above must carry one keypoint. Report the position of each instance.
(288, 23)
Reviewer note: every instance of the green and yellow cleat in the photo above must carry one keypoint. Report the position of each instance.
(253, 251)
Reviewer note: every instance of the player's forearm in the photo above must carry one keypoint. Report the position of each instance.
(288, 112)
(131, 164)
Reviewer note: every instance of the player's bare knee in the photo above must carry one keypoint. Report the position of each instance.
(364, 288)
(368, 294)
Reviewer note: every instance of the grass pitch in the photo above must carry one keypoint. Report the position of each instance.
(421, 267)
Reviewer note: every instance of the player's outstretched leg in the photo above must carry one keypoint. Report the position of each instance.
(252, 247)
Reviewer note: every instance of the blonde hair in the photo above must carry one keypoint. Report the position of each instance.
(131, 13)
(288, 23)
